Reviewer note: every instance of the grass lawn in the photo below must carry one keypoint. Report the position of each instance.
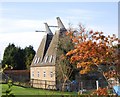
(17, 90)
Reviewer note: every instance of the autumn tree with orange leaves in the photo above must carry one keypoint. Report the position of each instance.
(93, 49)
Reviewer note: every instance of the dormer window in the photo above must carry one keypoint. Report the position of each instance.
(38, 60)
(51, 58)
(35, 60)
(46, 58)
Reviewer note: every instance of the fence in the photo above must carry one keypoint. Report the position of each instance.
(81, 85)
(22, 77)
(44, 84)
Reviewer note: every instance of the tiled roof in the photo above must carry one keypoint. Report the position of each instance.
(46, 53)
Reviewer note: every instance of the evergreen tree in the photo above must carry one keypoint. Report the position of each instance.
(29, 55)
(18, 58)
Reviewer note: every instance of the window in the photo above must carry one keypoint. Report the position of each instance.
(44, 74)
(51, 74)
(38, 74)
(32, 74)
(38, 60)
(35, 60)
(51, 58)
(46, 58)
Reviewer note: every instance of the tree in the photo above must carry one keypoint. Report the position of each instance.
(29, 55)
(91, 50)
(118, 65)
(7, 55)
(65, 70)
(13, 56)
(17, 58)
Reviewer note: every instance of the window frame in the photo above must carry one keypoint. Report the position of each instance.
(51, 59)
(38, 74)
(35, 61)
(38, 60)
(44, 74)
(46, 59)
(51, 74)
(32, 76)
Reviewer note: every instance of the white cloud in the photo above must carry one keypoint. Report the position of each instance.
(81, 14)
(22, 32)
(107, 30)
(17, 25)
(21, 39)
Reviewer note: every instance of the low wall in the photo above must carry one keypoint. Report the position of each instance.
(16, 75)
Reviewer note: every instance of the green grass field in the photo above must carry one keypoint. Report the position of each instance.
(17, 90)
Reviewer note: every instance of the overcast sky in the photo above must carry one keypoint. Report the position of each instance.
(20, 20)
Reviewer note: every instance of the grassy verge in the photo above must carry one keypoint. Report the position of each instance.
(17, 90)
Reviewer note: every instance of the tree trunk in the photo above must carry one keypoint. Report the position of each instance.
(109, 84)
(63, 85)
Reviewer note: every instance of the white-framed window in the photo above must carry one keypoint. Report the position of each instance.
(35, 60)
(38, 60)
(51, 74)
(46, 58)
(44, 74)
(38, 74)
(32, 74)
(51, 58)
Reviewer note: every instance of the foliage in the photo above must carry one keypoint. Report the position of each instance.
(17, 58)
(9, 90)
(29, 55)
(65, 70)
(100, 92)
(92, 49)
(118, 65)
